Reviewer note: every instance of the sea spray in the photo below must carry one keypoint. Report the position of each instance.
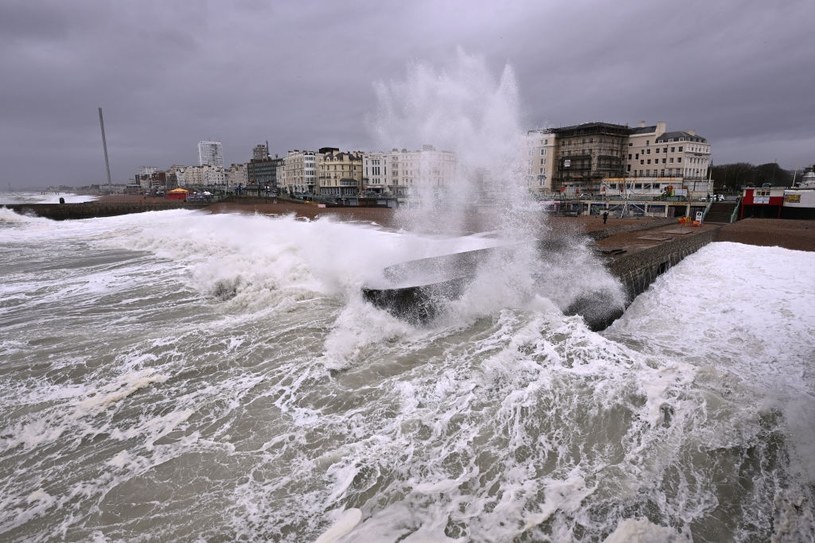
(461, 108)
(464, 108)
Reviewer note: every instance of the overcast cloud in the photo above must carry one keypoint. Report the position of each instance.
(302, 75)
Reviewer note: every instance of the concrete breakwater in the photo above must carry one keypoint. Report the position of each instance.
(635, 254)
(88, 210)
(638, 267)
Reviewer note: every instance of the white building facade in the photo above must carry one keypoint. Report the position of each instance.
(193, 176)
(299, 172)
(210, 153)
(654, 152)
(375, 173)
(235, 175)
(540, 144)
(399, 172)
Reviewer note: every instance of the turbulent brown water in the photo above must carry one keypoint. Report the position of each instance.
(183, 376)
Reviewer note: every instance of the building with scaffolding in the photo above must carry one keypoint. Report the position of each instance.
(611, 160)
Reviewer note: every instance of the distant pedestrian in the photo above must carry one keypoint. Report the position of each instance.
(605, 217)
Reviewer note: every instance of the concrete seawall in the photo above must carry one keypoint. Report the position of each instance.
(88, 210)
(634, 253)
(639, 268)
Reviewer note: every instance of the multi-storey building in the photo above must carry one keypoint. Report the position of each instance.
(260, 152)
(609, 159)
(654, 152)
(540, 159)
(175, 174)
(662, 162)
(236, 175)
(339, 174)
(376, 173)
(151, 178)
(398, 172)
(213, 175)
(187, 176)
(205, 175)
(210, 153)
(300, 172)
(263, 173)
(588, 153)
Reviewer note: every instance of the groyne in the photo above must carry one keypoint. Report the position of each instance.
(101, 208)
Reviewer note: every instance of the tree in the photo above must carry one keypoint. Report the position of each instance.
(731, 177)
(773, 174)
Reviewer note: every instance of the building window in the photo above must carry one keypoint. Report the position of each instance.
(680, 148)
(673, 149)
(657, 150)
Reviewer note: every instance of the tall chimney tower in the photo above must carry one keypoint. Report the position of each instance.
(105, 148)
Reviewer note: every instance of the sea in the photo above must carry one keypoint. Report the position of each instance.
(185, 376)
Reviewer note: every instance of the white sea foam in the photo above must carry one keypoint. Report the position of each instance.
(747, 313)
(643, 531)
(117, 391)
(346, 521)
(485, 424)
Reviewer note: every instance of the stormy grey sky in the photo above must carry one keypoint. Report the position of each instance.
(302, 74)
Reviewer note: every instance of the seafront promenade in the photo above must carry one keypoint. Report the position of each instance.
(790, 234)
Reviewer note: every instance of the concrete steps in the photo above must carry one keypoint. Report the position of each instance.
(720, 212)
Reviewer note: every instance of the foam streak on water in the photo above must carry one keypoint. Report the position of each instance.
(228, 382)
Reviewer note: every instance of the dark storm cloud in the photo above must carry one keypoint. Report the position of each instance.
(301, 75)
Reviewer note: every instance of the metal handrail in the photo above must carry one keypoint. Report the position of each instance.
(735, 213)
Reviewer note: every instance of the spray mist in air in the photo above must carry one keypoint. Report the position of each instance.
(466, 109)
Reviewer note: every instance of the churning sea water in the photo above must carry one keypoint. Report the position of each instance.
(179, 376)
